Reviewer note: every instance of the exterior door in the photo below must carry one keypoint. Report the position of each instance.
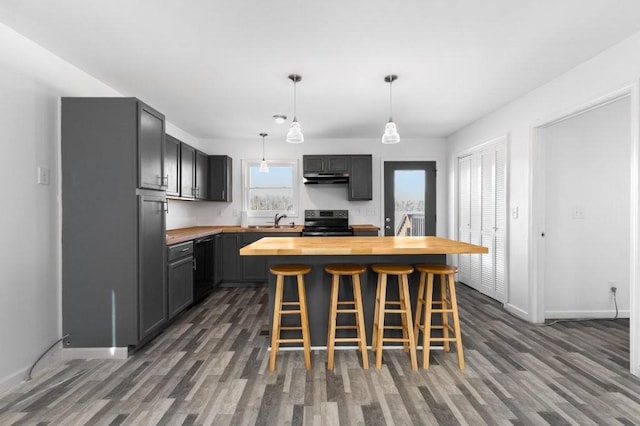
(409, 198)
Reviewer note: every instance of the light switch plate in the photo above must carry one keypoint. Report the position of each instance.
(43, 175)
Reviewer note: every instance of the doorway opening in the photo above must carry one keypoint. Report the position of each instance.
(584, 189)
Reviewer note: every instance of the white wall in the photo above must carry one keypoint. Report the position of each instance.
(612, 69)
(188, 213)
(32, 80)
(587, 175)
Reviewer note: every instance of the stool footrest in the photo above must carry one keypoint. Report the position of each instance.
(290, 303)
(394, 339)
(346, 339)
(291, 328)
(290, 340)
(290, 312)
(346, 302)
(346, 311)
(346, 327)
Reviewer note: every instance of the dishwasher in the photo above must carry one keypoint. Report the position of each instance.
(204, 271)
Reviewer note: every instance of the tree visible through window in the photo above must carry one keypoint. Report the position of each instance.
(265, 194)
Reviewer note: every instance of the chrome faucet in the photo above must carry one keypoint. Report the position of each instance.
(276, 220)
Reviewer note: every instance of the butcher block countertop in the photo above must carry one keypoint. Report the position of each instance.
(341, 246)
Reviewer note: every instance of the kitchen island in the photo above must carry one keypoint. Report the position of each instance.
(320, 251)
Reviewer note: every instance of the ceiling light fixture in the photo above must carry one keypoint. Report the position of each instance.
(264, 168)
(295, 132)
(390, 132)
(279, 119)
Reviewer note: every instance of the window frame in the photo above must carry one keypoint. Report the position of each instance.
(247, 164)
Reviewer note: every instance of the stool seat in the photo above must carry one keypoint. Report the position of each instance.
(427, 306)
(353, 307)
(436, 269)
(392, 269)
(296, 307)
(290, 270)
(401, 307)
(344, 269)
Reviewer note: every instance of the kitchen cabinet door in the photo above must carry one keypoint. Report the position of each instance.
(172, 165)
(230, 258)
(202, 176)
(253, 268)
(151, 149)
(187, 171)
(220, 173)
(151, 242)
(218, 261)
(325, 163)
(180, 285)
(360, 179)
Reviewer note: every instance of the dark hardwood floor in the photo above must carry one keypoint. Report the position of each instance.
(210, 368)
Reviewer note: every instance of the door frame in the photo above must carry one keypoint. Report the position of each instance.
(537, 211)
(441, 190)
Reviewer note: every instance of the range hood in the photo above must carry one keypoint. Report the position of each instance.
(313, 178)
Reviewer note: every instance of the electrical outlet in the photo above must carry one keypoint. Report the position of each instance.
(43, 175)
(612, 287)
(577, 212)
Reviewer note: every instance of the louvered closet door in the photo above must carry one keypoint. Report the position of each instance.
(482, 219)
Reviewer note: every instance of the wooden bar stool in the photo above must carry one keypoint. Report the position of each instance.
(403, 308)
(281, 308)
(338, 270)
(448, 304)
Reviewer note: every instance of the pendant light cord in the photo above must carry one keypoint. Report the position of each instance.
(295, 97)
(391, 101)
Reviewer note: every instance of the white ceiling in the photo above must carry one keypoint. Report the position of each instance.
(218, 69)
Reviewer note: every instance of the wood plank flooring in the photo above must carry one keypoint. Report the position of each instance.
(210, 368)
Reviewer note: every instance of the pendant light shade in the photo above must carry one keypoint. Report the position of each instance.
(390, 131)
(264, 168)
(295, 131)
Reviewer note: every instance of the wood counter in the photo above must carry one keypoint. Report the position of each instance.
(348, 246)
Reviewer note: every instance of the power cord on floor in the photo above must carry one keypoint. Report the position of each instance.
(42, 356)
(615, 302)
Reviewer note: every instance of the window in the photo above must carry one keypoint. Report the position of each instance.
(265, 194)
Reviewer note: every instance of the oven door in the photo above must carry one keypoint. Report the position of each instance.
(327, 233)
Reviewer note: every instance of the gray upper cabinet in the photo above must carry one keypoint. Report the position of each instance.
(187, 171)
(325, 163)
(113, 229)
(151, 148)
(201, 177)
(172, 165)
(220, 182)
(360, 182)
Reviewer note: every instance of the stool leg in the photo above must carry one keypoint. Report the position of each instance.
(382, 294)
(376, 312)
(304, 320)
(403, 317)
(420, 305)
(456, 322)
(446, 305)
(362, 337)
(275, 326)
(406, 300)
(333, 316)
(426, 343)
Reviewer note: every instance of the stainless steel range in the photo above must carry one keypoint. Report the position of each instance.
(326, 223)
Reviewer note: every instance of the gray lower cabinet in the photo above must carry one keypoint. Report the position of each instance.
(113, 226)
(179, 277)
(238, 269)
(365, 233)
(217, 260)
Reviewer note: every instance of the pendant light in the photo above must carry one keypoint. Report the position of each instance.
(295, 132)
(390, 132)
(264, 168)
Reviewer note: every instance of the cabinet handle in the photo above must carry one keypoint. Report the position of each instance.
(165, 180)
(193, 191)
(223, 194)
(165, 207)
(185, 249)
(195, 267)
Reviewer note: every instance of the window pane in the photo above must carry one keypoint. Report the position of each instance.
(265, 194)
(409, 191)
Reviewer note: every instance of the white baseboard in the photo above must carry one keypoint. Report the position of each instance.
(609, 314)
(514, 310)
(95, 353)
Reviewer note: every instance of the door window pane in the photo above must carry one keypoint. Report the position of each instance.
(409, 193)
